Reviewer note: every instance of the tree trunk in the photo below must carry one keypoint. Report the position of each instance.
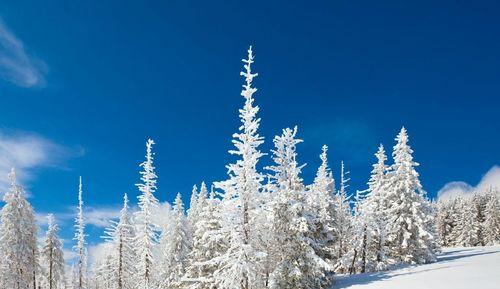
(352, 269)
(363, 253)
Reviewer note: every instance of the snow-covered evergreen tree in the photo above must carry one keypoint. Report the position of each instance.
(374, 213)
(240, 263)
(176, 248)
(198, 200)
(208, 245)
(360, 236)
(294, 260)
(322, 210)
(18, 244)
(479, 201)
(79, 248)
(446, 220)
(52, 259)
(146, 229)
(201, 201)
(343, 225)
(121, 266)
(103, 273)
(410, 236)
(193, 212)
(492, 219)
(467, 229)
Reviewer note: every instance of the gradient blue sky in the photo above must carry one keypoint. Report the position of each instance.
(85, 83)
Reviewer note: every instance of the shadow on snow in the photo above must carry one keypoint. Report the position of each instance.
(366, 278)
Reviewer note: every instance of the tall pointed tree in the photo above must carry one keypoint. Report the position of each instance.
(343, 224)
(294, 260)
(239, 268)
(146, 229)
(193, 212)
(322, 211)
(79, 248)
(202, 200)
(18, 246)
(409, 232)
(371, 219)
(52, 256)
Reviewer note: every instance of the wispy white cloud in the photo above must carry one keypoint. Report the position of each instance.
(461, 189)
(28, 151)
(16, 64)
(101, 217)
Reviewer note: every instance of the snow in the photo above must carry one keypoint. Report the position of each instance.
(457, 268)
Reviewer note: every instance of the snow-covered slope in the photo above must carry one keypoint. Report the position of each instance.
(457, 268)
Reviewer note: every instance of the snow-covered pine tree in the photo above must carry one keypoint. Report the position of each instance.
(208, 245)
(104, 275)
(146, 229)
(18, 244)
(122, 256)
(79, 248)
(52, 259)
(294, 261)
(361, 235)
(202, 200)
(343, 225)
(373, 211)
(492, 219)
(410, 236)
(198, 200)
(176, 250)
(455, 211)
(322, 210)
(445, 222)
(239, 266)
(192, 212)
(467, 229)
(479, 201)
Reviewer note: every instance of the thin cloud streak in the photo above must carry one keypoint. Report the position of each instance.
(16, 64)
(27, 152)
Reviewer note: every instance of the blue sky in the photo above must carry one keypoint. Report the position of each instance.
(85, 83)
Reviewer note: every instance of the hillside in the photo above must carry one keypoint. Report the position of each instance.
(457, 268)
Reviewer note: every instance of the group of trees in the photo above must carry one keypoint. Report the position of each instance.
(470, 221)
(256, 229)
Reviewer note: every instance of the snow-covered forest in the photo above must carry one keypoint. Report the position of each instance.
(472, 221)
(256, 228)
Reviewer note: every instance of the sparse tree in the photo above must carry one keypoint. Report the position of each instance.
(240, 264)
(146, 229)
(80, 247)
(52, 257)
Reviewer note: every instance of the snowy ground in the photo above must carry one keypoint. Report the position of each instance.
(457, 268)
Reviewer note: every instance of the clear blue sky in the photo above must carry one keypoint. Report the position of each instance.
(95, 79)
